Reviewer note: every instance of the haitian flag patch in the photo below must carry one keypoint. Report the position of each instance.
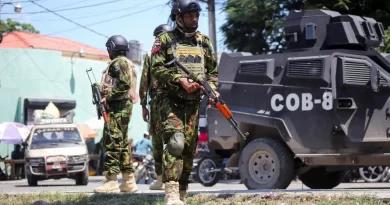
(156, 46)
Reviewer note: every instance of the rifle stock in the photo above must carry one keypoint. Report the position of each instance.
(219, 103)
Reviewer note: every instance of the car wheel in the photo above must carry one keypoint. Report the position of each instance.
(82, 178)
(32, 180)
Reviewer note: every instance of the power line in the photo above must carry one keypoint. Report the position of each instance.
(73, 8)
(96, 23)
(93, 14)
(108, 20)
(112, 19)
(99, 22)
(70, 20)
(126, 15)
(23, 1)
(82, 1)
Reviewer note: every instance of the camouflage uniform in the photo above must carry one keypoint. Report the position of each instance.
(118, 87)
(119, 110)
(179, 109)
(148, 83)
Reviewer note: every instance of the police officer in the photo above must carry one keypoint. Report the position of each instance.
(118, 93)
(179, 96)
(148, 83)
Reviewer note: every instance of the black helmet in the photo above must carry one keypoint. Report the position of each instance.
(161, 28)
(117, 43)
(184, 6)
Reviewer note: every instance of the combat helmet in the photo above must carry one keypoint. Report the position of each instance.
(184, 6)
(161, 28)
(117, 43)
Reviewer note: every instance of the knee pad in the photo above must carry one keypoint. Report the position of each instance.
(175, 144)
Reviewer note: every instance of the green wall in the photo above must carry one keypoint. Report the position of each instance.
(38, 73)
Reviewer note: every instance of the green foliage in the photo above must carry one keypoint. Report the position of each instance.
(379, 10)
(257, 26)
(386, 47)
(10, 25)
(254, 26)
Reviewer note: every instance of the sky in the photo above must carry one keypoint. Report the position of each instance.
(134, 19)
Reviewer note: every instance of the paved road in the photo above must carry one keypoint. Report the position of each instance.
(381, 190)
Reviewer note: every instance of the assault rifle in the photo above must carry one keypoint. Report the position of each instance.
(219, 103)
(96, 100)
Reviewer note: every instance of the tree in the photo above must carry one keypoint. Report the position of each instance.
(10, 25)
(379, 10)
(257, 26)
(253, 26)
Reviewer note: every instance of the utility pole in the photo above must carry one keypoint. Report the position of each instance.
(212, 27)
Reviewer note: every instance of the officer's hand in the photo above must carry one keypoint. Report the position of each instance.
(145, 114)
(103, 101)
(211, 101)
(189, 87)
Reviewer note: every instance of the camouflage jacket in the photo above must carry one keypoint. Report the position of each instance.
(145, 84)
(119, 80)
(162, 53)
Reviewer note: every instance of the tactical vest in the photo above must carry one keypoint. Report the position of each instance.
(107, 83)
(192, 57)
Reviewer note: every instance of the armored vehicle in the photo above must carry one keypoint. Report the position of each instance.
(316, 110)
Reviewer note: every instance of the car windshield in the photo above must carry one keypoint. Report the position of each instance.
(56, 135)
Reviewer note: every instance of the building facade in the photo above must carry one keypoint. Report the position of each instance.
(31, 76)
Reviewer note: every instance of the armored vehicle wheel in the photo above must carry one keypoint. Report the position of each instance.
(266, 163)
(319, 178)
(205, 178)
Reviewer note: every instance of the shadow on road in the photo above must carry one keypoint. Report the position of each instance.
(363, 188)
(48, 185)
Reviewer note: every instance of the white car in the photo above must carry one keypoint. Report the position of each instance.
(55, 149)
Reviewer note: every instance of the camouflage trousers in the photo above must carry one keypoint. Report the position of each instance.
(177, 116)
(115, 141)
(155, 131)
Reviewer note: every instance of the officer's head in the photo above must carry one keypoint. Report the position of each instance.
(161, 28)
(146, 135)
(117, 45)
(186, 14)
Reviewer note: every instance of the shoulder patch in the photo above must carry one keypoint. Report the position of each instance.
(156, 46)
